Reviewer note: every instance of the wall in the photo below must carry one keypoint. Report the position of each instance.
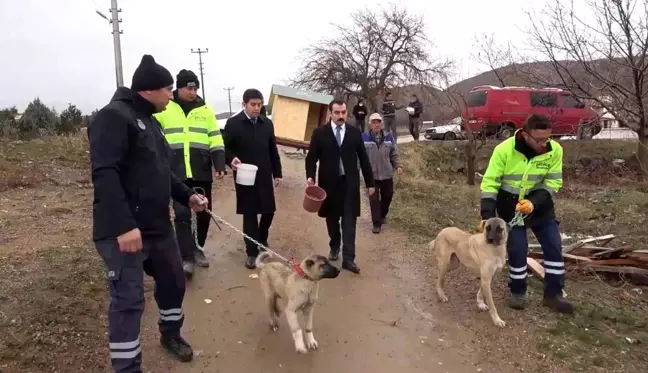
(289, 117)
(314, 119)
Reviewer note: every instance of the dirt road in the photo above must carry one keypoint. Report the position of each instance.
(366, 323)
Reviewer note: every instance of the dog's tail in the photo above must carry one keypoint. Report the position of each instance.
(261, 259)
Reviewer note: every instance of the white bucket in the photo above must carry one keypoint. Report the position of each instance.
(246, 174)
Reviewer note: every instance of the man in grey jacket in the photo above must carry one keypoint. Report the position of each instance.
(383, 156)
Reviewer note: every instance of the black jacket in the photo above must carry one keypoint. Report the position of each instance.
(504, 206)
(325, 150)
(253, 144)
(360, 112)
(418, 108)
(389, 108)
(131, 172)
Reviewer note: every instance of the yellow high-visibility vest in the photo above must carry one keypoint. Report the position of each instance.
(198, 130)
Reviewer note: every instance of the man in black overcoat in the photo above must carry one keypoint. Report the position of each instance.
(338, 147)
(249, 138)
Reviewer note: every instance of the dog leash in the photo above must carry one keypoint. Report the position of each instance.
(519, 216)
(216, 219)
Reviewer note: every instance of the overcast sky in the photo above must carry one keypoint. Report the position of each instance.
(62, 51)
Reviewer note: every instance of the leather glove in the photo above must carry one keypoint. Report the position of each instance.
(480, 227)
(525, 206)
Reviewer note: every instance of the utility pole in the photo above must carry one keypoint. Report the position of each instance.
(229, 97)
(115, 21)
(202, 81)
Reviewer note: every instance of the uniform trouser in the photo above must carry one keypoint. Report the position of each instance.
(380, 201)
(360, 123)
(548, 235)
(182, 220)
(390, 126)
(343, 234)
(160, 259)
(414, 127)
(259, 229)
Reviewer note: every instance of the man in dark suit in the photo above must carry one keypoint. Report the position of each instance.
(250, 138)
(338, 147)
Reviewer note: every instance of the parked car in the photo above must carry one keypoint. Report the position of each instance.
(450, 131)
(500, 111)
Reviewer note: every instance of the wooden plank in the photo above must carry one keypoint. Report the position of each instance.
(568, 257)
(615, 269)
(617, 262)
(606, 239)
(302, 145)
(536, 267)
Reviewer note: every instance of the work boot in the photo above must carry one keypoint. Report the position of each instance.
(558, 304)
(178, 347)
(188, 268)
(250, 263)
(517, 301)
(376, 229)
(201, 259)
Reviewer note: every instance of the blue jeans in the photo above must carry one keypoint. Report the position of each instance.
(548, 235)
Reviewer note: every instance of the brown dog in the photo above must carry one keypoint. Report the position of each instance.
(298, 287)
(484, 254)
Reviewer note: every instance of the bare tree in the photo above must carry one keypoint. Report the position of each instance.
(453, 100)
(496, 57)
(601, 56)
(377, 51)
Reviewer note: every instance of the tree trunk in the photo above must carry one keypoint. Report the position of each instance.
(471, 150)
(642, 152)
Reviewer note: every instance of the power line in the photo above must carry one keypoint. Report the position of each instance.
(202, 81)
(229, 97)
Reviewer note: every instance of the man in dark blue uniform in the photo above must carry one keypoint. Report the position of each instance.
(133, 184)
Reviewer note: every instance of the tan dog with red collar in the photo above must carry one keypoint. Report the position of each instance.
(298, 286)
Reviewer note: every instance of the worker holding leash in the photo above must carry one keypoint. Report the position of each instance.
(192, 131)
(524, 174)
(133, 183)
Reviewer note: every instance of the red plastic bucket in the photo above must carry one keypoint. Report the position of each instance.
(313, 198)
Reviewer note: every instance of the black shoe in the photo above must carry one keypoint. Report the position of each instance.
(250, 263)
(351, 266)
(188, 268)
(558, 304)
(376, 229)
(517, 301)
(334, 255)
(201, 259)
(178, 347)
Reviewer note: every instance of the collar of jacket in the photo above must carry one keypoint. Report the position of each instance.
(524, 148)
(139, 103)
(186, 105)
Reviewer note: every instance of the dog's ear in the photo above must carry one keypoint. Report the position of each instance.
(309, 263)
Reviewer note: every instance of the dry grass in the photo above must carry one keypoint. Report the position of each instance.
(600, 197)
(52, 287)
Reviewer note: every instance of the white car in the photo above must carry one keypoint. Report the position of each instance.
(450, 131)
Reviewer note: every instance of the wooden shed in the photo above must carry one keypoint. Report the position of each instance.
(296, 112)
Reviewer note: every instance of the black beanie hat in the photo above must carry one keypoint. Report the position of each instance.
(187, 78)
(149, 76)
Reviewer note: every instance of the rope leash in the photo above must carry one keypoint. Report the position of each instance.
(517, 218)
(216, 219)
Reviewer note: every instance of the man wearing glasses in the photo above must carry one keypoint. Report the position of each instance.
(338, 147)
(523, 176)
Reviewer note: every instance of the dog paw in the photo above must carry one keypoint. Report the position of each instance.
(274, 327)
(499, 322)
(482, 306)
(443, 298)
(301, 349)
(311, 343)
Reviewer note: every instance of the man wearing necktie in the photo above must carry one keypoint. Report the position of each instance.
(338, 147)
